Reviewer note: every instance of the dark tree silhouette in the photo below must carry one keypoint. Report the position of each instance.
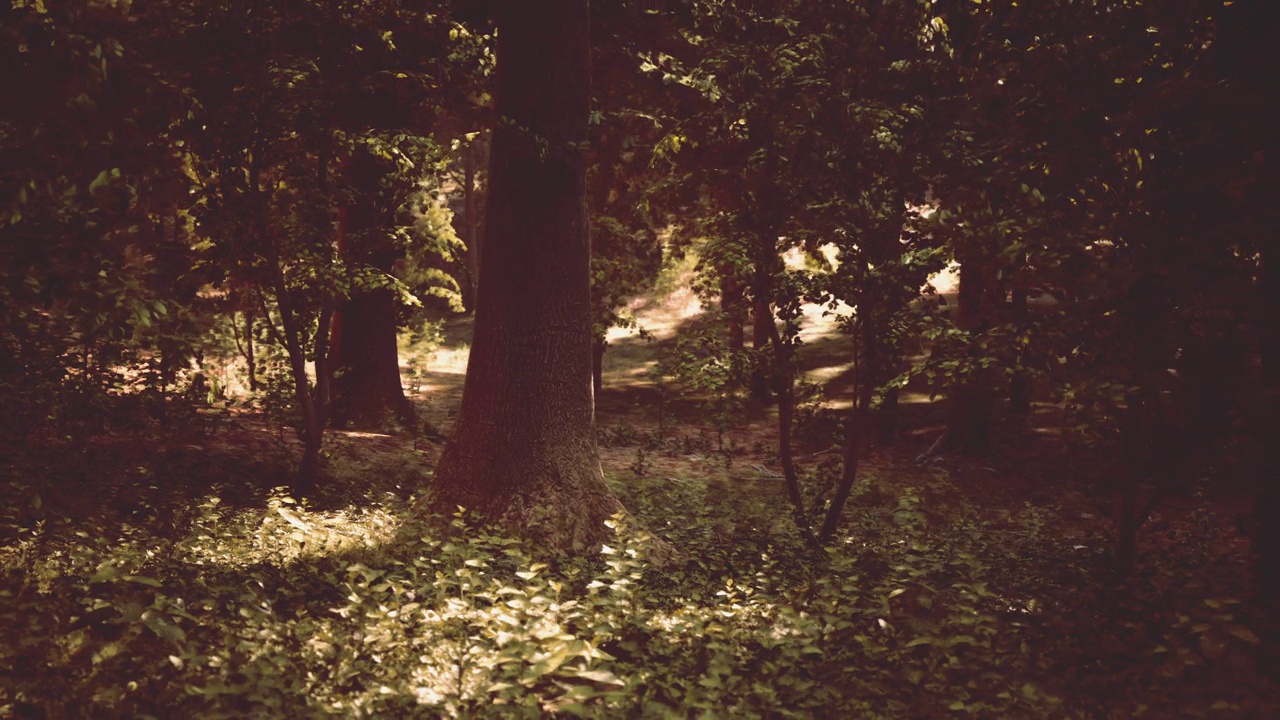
(523, 451)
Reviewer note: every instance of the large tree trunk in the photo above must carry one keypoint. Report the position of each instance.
(472, 238)
(367, 389)
(523, 453)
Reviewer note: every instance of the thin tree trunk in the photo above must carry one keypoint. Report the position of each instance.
(313, 413)
(250, 350)
(853, 430)
(762, 332)
(969, 420)
(731, 304)
(887, 418)
(314, 408)
(598, 347)
(469, 209)
(523, 453)
(851, 455)
(784, 386)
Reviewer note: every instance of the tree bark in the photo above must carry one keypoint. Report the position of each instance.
(969, 419)
(784, 386)
(853, 429)
(732, 305)
(598, 347)
(367, 388)
(472, 238)
(762, 331)
(523, 453)
(887, 418)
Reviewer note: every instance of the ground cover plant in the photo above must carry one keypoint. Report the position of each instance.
(648, 358)
(235, 600)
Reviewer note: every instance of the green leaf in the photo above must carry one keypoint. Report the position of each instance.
(107, 572)
(163, 629)
(600, 676)
(1244, 634)
(143, 580)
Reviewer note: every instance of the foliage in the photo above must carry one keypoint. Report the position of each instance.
(706, 368)
(188, 191)
(930, 605)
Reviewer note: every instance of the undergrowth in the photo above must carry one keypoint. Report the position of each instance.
(927, 606)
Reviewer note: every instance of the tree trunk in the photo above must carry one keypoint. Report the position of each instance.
(598, 347)
(784, 386)
(853, 430)
(763, 330)
(313, 404)
(887, 418)
(472, 238)
(367, 389)
(731, 304)
(250, 354)
(523, 453)
(969, 419)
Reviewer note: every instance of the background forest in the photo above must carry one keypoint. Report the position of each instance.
(932, 343)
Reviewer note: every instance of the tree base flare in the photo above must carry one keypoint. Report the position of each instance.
(563, 517)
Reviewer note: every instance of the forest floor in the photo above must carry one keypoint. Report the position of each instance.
(1030, 526)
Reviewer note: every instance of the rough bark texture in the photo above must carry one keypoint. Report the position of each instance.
(471, 227)
(523, 452)
(366, 385)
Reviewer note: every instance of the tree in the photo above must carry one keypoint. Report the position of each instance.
(365, 359)
(523, 451)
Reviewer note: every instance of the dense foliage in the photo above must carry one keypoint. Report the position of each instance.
(252, 605)
(203, 204)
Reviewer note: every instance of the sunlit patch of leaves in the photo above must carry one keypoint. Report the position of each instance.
(927, 606)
